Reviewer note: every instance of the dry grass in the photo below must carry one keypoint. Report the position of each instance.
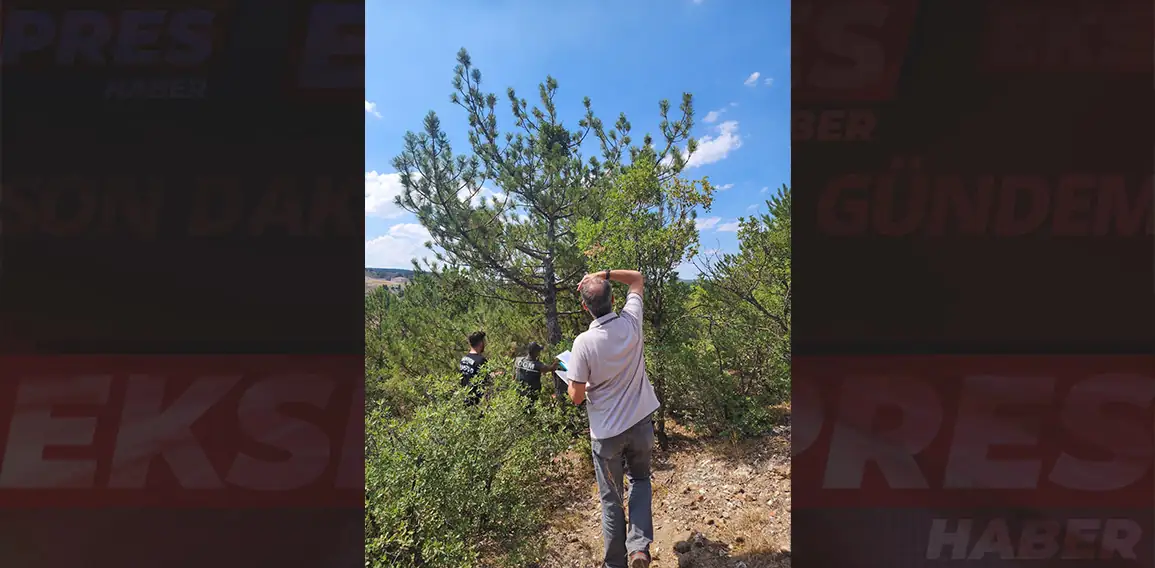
(374, 283)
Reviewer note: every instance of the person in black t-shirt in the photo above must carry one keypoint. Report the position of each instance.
(470, 367)
(529, 370)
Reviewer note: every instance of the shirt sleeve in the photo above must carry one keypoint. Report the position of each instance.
(539, 366)
(633, 310)
(579, 369)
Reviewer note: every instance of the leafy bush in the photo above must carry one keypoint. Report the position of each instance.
(449, 484)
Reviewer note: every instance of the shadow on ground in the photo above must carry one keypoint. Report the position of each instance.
(697, 551)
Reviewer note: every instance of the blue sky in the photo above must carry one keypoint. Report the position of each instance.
(733, 55)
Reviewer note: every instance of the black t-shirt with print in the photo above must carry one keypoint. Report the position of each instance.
(529, 373)
(470, 367)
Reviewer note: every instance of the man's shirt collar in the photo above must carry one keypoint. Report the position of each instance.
(602, 320)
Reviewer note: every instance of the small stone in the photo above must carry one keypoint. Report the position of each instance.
(740, 564)
(710, 522)
(702, 491)
(682, 547)
(739, 540)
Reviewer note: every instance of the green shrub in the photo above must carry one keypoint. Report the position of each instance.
(450, 484)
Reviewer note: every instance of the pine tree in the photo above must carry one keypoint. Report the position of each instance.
(524, 239)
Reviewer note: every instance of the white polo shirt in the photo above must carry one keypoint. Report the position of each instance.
(609, 358)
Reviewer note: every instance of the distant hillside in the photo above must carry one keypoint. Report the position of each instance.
(387, 273)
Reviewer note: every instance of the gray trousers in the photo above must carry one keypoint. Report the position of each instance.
(636, 447)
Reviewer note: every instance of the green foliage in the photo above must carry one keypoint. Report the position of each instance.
(647, 224)
(525, 239)
(451, 483)
(740, 364)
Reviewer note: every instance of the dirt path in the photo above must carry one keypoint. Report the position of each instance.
(715, 504)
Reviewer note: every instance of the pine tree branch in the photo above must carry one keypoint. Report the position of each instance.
(510, 300)
(531, 252)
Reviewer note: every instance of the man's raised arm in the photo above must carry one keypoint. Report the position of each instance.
(631, 278)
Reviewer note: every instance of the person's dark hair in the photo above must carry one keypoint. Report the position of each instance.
(534, 348)
(596, 295)
(476, 338)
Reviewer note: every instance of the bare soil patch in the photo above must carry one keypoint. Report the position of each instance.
(716, 504)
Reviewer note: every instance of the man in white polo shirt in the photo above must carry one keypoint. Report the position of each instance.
(607, 370)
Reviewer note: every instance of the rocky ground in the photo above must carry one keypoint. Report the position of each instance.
(716, 504)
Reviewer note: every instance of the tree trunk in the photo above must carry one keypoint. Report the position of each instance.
(552, 325)
(660, 415)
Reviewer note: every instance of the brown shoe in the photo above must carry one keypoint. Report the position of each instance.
(639, 559)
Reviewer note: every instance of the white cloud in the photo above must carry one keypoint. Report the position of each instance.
(731, 227)
(371, 108)
(713, 116)
(398, 247)
(715, 148)
(380, 190)
(752, 79)
(485, 192)
(753, 207)
(724, 187)
(733, 104)
(769, 82)
(707, 223)
(765, 189)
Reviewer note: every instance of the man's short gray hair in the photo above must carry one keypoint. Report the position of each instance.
(596, 295)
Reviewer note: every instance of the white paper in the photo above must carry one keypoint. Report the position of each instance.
(561, 371)
(564, 358)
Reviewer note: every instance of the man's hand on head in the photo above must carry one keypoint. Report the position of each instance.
(593, 276)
